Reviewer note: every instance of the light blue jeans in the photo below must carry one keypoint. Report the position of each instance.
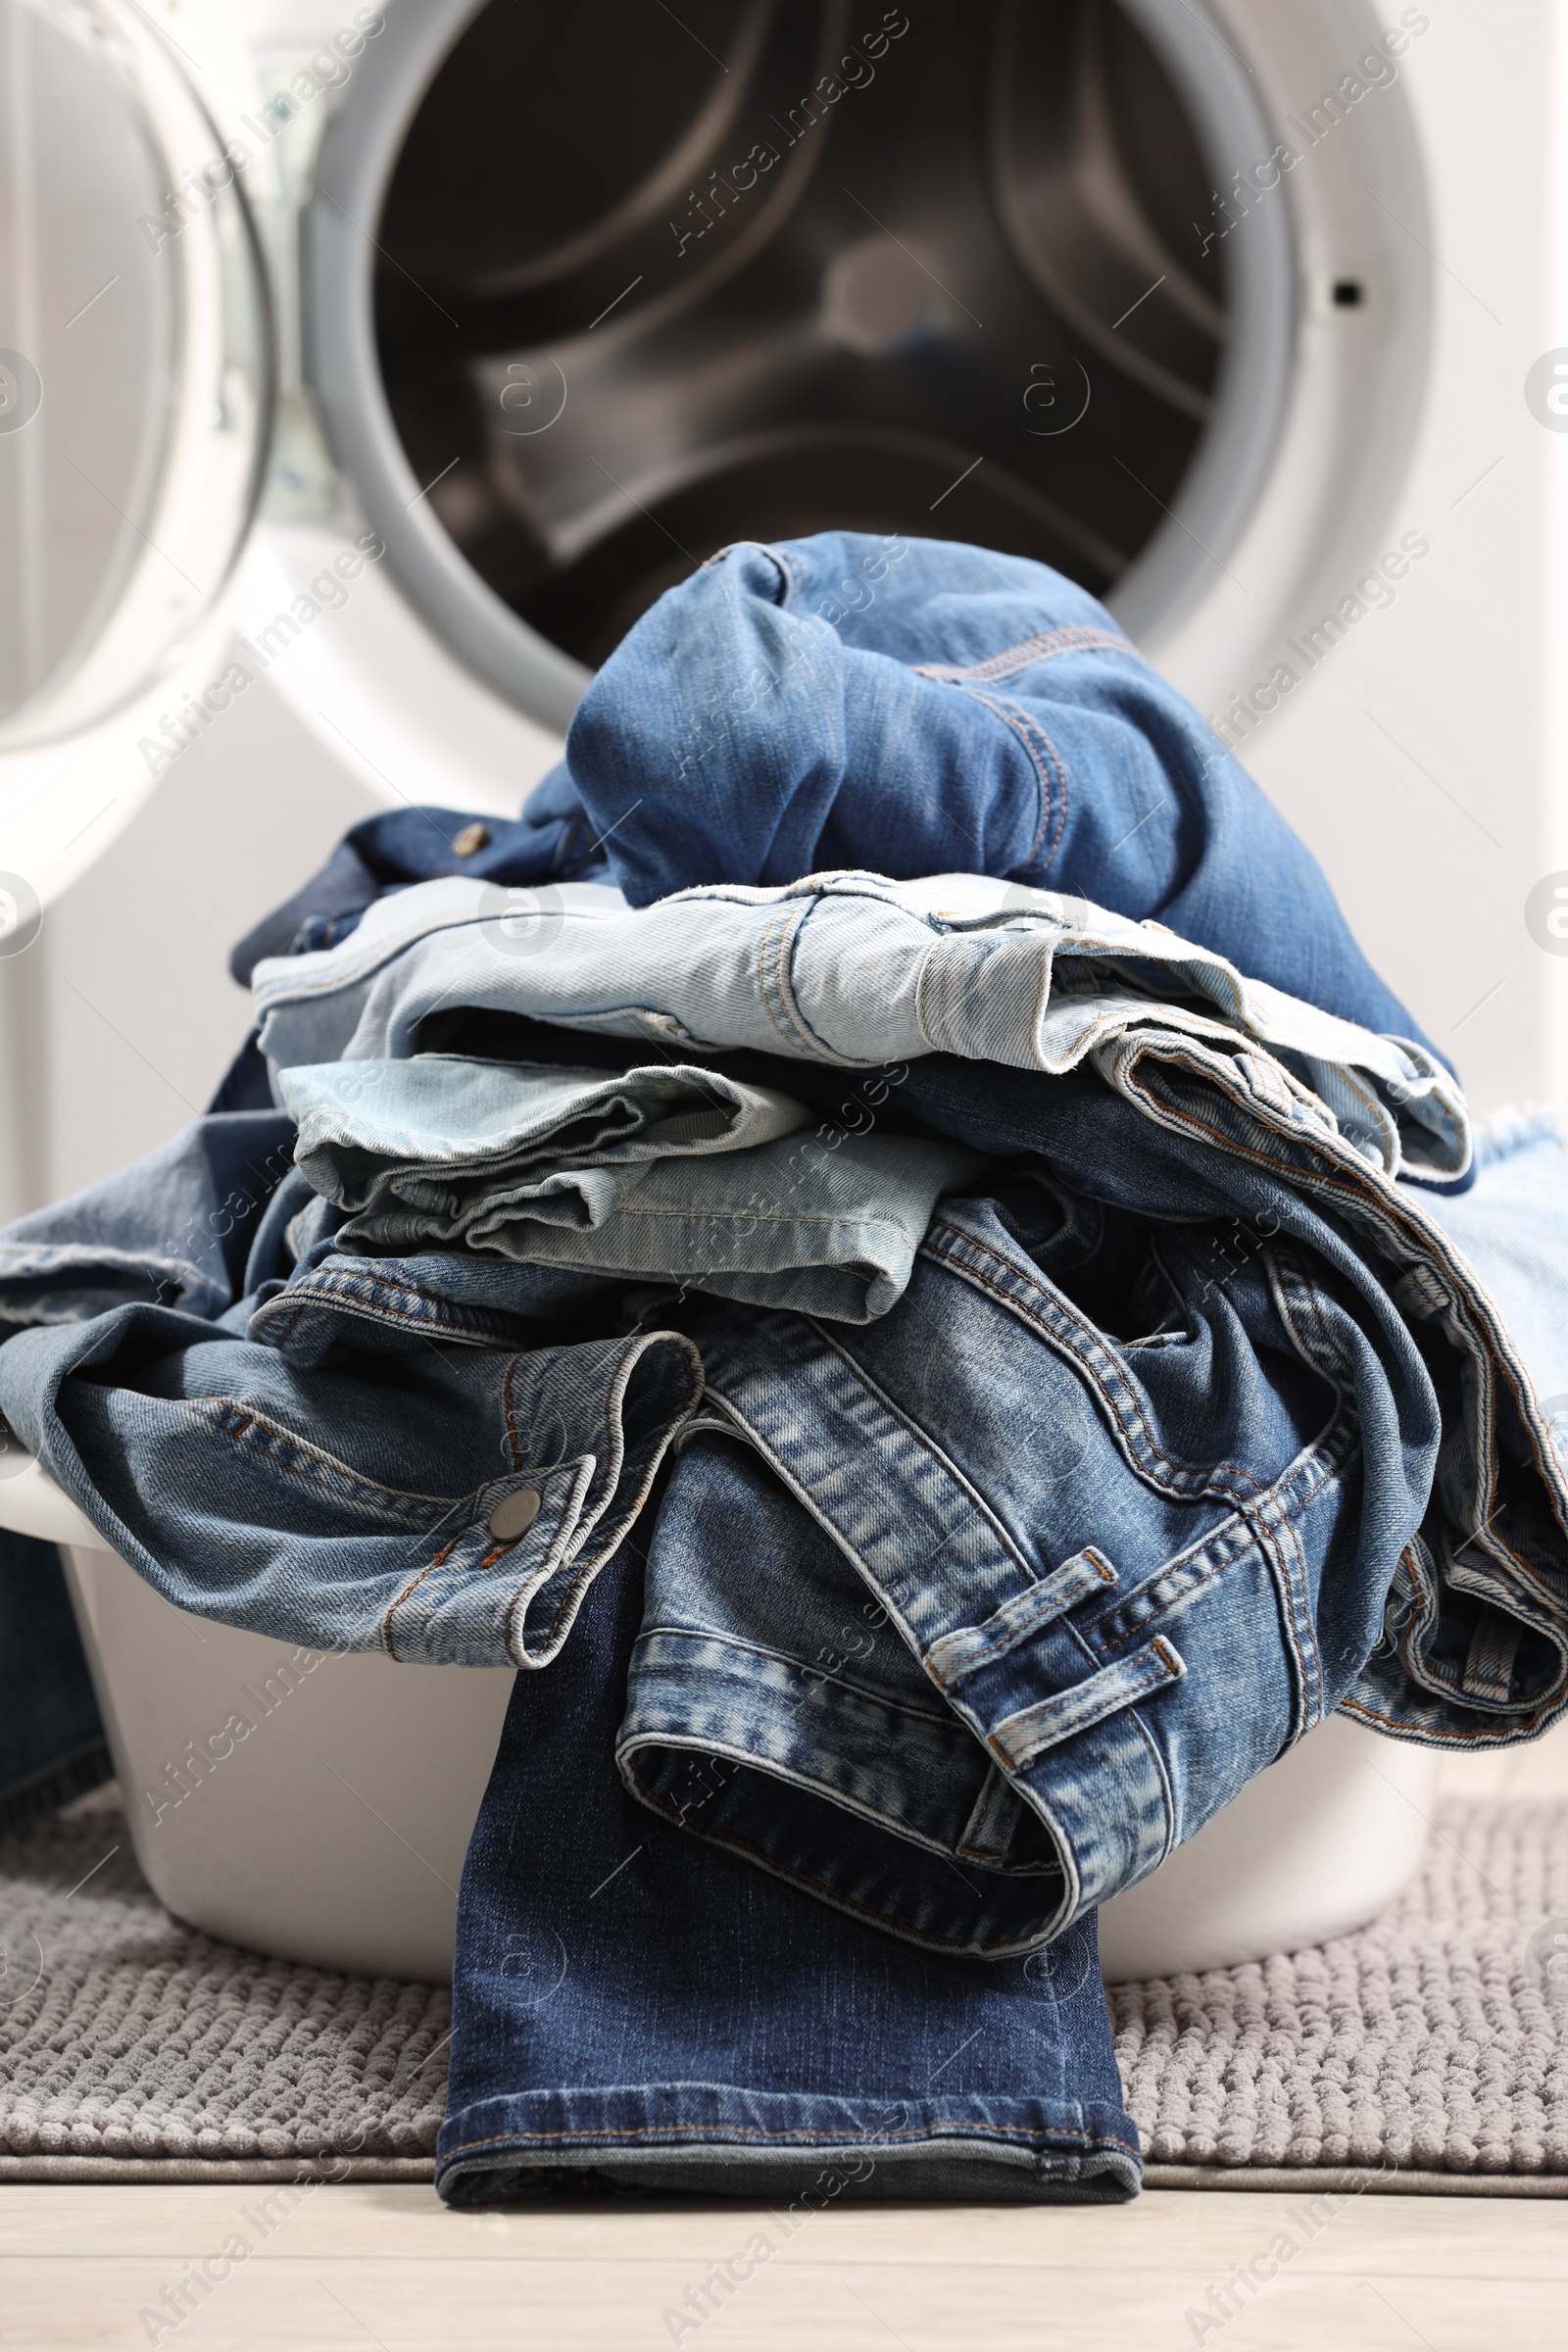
(854, 971)
(670, 1173)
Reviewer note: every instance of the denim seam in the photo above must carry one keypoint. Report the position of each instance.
(587, 1568)
(835, 1897)
(1076, 638)
(1264, 1533)
(747, 1429)
(1391, 1219)
(1466, 1322)
(1346, 1073)
(938, 1452)
(833, 1220)
(1547, 1713)
(1040, 750)
(995, 1812)
(812, 1674)
(1226, 1479)
(514, 1440)
(794, 1777)
(1211, 1555)
(1350, 1192)
(804, 904)
(1297, 1299)
(441, 1557)
(933, 1024)
(431, 1324)
(313, 1460)
(772, 980)
(1021, 2136)
(1125, 1027)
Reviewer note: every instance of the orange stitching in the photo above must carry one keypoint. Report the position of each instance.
(440, 1557)
(293, 1458)
(1023, 725)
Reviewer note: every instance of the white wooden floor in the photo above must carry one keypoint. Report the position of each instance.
(362, 2266)
(358, 2265)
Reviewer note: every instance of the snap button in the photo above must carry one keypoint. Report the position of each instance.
(515, 1514)
(471, 839)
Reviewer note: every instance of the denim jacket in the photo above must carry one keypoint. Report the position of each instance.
(444, 1484)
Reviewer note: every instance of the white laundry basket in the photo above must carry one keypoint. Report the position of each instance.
(316, 1806)
(332, 1829)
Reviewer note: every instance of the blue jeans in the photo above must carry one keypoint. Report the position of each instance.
(1171, 1410)
(1513, 1227)
(907, 706)
(1154, 1482)
(51, 1740)
(632, 2005)
(668, 1172)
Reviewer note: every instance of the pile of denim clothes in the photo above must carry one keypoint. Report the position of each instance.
(885, 1246)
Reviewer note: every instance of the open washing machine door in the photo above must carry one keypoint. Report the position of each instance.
(549, 303)
(136, 396)
(166, 497)
(546, 306)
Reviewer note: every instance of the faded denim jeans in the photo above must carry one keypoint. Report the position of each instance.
(673, 1173)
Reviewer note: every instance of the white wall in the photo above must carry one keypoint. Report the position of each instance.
(137, 1016)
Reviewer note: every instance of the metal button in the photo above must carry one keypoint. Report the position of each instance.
(515, 1514)
(471, 839)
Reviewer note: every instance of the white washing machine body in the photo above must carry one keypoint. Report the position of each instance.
(1359, 577)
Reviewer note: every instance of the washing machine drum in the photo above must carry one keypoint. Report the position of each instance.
(649, 279)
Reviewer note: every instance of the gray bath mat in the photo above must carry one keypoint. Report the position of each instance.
(1428, 2054)
(133, 2048)
(1430, 2050)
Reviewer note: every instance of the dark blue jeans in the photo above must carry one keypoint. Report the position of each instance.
(637, 2005)
(51, 1740)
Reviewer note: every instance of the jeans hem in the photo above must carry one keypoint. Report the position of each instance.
(713, 2138)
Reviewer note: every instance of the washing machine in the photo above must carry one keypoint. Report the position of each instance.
(364, 372)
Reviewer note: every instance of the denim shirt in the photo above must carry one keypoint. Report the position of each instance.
(443, 1484)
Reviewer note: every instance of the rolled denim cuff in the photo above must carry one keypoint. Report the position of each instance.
(849, 969)
(306, 1540)
(812, 2150)
(610, 1445)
